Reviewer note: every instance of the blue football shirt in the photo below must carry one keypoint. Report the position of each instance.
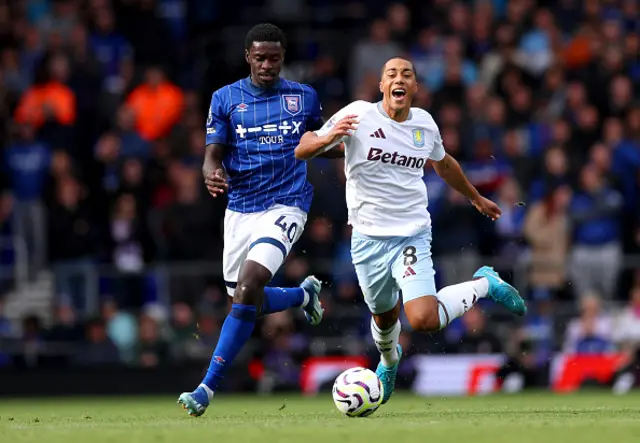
(261, 128)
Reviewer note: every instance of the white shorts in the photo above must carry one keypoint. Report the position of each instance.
(264, 237)
(388, 265)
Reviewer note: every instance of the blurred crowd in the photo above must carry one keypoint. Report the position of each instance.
(102, 106)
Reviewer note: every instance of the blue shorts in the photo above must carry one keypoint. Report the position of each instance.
(386, 265)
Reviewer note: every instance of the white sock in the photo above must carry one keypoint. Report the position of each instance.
(208, 390)
(455, 300)
(305, 302)
(387, 342)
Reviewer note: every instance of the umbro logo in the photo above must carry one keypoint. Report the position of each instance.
(378, 134)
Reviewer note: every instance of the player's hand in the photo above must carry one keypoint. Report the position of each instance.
(216, 182)
(487, 208)
(345, 127)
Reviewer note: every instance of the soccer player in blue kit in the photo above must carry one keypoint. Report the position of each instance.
(253, 127)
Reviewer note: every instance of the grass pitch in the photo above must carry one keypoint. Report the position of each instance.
(530, 418)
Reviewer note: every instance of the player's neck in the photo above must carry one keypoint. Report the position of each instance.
(262, 86)
(398, 115)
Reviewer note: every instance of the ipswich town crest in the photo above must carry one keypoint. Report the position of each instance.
(291, 103)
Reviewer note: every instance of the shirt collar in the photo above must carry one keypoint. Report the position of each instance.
(383, 112)
(256, 90)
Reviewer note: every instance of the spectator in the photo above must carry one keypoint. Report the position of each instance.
(152, 348)
(343, 269)
(130, 249)
(547, 231)
(399, 18)
(32, 342)
(66, 328)
(60, 20)
(458, 251)
(110, 47)
(27, 163)
(596, 255)
(283, 348)
(321, 244)
(476, 339)
(156, 93)
(133, 182)
(62, 167)
(133, 145)
(627, 327)
(50, 102)
(539, 331)
(555, 173)
(536, 45)
(6, 334)
(442, 69)
(514, 152)
(600, 157)
(6, 251)
(97, 349)
(370, 54)
(626, 160)
(484, 171)
(31, 53)
(107, 154)
(188, 219)
(72, 246)
(509, 227)
(85, 80)
(13, 76)
(122, 329)
(591, 332)
(185, 343)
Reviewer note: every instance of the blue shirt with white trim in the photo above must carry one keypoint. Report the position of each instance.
(261, 128)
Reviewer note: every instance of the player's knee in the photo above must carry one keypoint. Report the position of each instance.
(424, 321)
(388, 319)
(384, 321)
(247, 292)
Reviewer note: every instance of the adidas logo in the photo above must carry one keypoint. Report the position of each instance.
(409, 272)
(378, 134)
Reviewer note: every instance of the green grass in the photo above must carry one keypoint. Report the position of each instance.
(534, 418)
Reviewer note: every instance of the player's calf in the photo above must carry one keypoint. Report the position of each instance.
(385, 330)
(432, 313)
(422, 314)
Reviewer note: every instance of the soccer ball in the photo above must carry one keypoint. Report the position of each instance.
(357, 392)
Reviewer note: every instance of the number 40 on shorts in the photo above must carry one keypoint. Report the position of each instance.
(289, 229)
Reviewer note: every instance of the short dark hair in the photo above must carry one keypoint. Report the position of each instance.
(413, 67)
(265, 32)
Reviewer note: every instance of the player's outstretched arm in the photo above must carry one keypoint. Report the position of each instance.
(335, 152)
(450, 171)
(213, 171)
(314, 143)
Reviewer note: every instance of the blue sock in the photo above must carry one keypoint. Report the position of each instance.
(281, 299)
(236, 330)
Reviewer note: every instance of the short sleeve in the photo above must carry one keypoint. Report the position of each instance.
(355, 108)
(217, 120)
(438, 153)
(314, 121)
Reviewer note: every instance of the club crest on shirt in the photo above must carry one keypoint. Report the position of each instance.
(418, 138)
(291, 103)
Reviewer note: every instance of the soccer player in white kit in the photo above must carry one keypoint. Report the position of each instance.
(387, 144)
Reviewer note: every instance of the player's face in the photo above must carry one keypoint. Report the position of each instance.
(398, 84)
(265, 59)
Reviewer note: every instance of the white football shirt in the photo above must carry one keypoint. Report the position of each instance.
(384, 166)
